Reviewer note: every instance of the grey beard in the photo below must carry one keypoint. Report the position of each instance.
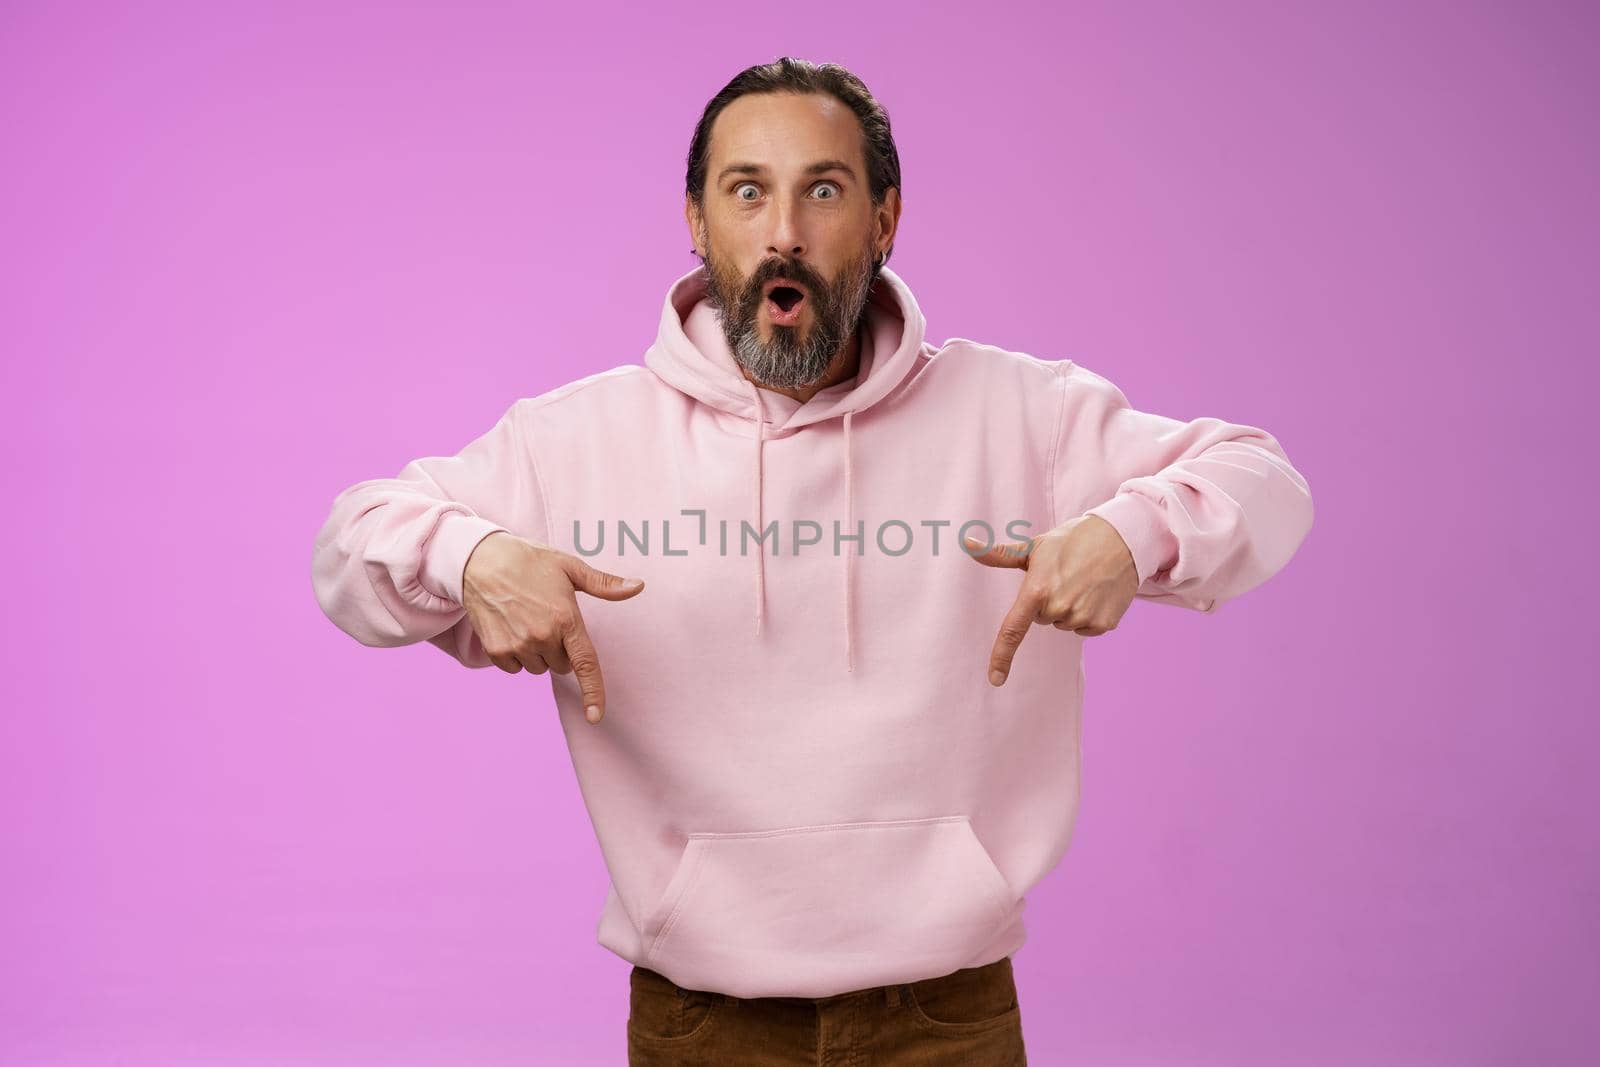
(786, 363)
(782, 362)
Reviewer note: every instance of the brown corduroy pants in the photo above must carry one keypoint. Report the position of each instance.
(968, 1018)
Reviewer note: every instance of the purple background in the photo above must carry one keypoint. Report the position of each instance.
(252, 257)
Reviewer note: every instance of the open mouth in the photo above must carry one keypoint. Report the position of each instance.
(786, 297)
(784, 303)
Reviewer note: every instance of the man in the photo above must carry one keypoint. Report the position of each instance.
(827, 755)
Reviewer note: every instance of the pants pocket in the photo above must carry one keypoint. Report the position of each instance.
(662, 1013)
(811, 911)
(969, 1001)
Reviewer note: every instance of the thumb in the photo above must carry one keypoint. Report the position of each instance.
(1003, 554)
(603, 584)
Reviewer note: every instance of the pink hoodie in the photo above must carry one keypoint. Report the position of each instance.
(804, 783)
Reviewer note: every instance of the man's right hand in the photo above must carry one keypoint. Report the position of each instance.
(521, 599)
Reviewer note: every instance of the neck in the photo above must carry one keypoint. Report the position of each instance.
(845, 365)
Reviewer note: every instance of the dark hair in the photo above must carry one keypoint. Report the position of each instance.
(788, 75)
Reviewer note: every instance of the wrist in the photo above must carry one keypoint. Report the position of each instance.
(1142, 525)
(444, 561)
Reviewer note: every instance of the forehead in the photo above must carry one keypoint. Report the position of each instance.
(785, 131)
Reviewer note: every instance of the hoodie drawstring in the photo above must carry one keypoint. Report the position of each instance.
(850, 558)
(850, 521)
(761, 545)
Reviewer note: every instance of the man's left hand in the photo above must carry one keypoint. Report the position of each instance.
(1079, 577)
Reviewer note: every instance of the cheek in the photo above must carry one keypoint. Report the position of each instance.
(741, 227)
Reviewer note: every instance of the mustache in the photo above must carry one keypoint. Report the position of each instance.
(791, 269)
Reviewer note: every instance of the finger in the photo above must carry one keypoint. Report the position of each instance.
(1002, 554)
(509, 664)
(586, 665)
(555, 654)
(603, 584)
(1078, 624)
(535, 664)
(1079, 629)
(1018, 621)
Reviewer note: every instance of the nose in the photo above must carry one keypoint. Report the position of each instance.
(786, 241)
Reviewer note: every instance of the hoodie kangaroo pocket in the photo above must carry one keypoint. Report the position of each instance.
(815, 910)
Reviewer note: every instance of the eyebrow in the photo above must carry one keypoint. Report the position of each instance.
(821, 167)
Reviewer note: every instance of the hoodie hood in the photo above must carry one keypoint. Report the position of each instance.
(691, 354)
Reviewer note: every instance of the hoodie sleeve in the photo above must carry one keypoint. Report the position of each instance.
(1209, 509)
(388, 561)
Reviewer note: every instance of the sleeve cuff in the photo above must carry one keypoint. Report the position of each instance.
(445, 558)
(1143, 527)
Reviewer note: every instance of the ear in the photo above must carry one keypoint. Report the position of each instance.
(888, 217)
(696, 223)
